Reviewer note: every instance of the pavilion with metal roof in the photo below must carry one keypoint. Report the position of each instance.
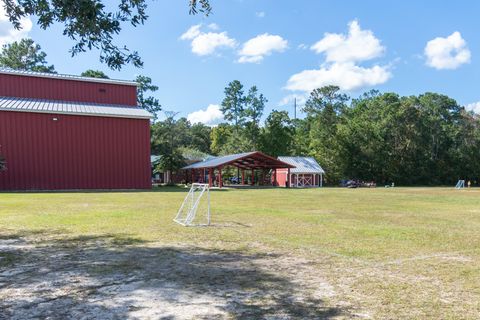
(211, 169)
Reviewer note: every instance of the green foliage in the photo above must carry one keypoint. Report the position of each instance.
(25, 55)
(417, 140)
(94, 74)
(202, 6)
(192, 154)
(171, 134)
(277, 135)
(233, 105)
(324, 112)
(172, 162)
(221, 137)
(149, 103)
(166, 141)
(243, 113)
(92, 24)
(199, 137)
(427, 140)
(255, 104)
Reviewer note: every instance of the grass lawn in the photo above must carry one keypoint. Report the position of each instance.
(373, 253)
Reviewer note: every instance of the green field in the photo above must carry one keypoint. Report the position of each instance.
(374, 253)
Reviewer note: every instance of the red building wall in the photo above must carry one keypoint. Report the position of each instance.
(281, 177)
(67, 90)
(74, 152)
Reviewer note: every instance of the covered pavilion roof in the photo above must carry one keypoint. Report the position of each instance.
(247, 160)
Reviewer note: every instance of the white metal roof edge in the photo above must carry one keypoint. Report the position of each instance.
(307, 172)
(298, 169)
(89, 114)
(59, 76)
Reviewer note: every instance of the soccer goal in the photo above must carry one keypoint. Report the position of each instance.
(195, 209)
(460, 184)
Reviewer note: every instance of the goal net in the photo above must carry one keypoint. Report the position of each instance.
(195, 209)
(460, 184)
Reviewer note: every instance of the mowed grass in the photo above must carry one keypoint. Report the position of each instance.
(373, 224)
(411, 252)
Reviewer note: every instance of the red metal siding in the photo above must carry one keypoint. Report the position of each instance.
(74, 152)
(282, 177)
(67, 90)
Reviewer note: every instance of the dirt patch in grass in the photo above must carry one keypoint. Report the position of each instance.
(112, 278)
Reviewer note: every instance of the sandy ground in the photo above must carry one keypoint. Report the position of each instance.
(93, 278)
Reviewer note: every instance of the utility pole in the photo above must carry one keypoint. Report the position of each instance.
(295, 108)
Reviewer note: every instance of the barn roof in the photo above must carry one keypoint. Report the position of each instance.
(71, 108)
(247, 160)
(303, 165)
(65, 77)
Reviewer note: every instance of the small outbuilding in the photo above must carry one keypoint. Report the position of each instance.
(307, 173)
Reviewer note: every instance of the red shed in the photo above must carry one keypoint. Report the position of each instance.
(307, 173)
(67, 132)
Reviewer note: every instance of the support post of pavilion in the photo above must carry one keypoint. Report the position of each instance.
(287, 184)
(210, 177)
(220, 178)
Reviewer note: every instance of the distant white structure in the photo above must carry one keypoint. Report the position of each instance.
(306, 174)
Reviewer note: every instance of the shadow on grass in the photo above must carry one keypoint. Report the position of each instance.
(112, 276)
(229, 224)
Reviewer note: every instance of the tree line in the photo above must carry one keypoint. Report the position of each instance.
(427, 139)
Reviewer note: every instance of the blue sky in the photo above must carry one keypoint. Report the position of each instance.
(288, 47)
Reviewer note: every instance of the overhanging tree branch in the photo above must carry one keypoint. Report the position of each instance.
(90, 24)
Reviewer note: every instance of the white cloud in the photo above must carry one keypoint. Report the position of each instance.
(343, 54)
(213, 26)
(357, 45)
(260, 14)
(191, 33)
(347, 76)
(206, 43)
(447, 53)
(475, 107)
(302, 46)
(211, 116)
(255, 49)
(8, 33)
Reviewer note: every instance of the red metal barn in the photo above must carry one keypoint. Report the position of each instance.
(66, 132)
(306, 174)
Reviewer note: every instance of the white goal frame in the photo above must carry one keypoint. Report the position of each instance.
(188, 211)
(460, 184)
